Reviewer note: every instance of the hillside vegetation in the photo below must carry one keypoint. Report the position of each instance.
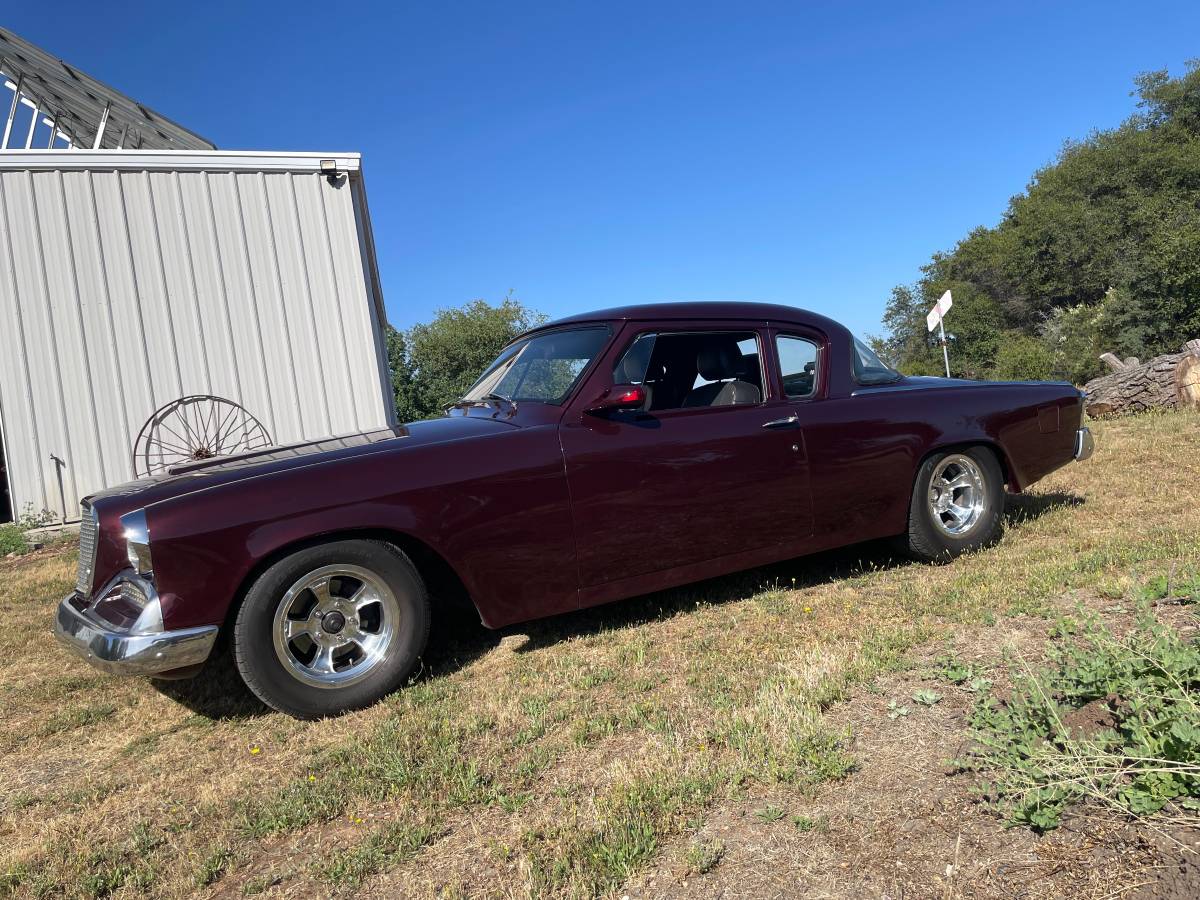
(782, 732)
(1101, 252)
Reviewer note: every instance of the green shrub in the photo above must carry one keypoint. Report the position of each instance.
(924, 367)
(1022, 358)
(1135, 748)
(1077, 335)
(1176, 587)
(30, 519)
(12, 540)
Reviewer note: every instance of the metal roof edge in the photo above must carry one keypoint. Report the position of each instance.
(177, 160)
(69, 90)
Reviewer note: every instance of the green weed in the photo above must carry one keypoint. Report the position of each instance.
(1139, 751)
(704, 856)
(78, 717)
(953, 670)
(385, 847)
(213, 866)
(12, 540)
(1182, 589)
(769, 813)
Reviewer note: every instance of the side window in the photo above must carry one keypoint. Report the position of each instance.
(797, 365)
(869, 368)
(682, 370)
(633, 366)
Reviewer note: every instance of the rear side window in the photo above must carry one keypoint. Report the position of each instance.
(869, 368)
(797, 365)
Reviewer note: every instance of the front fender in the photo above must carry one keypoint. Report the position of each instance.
(496, 509)
(206, 544)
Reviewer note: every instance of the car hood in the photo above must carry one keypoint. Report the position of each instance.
(191, 477)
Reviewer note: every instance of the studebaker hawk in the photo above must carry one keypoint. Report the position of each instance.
(600, 456)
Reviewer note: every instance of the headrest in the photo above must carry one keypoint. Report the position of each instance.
(719, 362)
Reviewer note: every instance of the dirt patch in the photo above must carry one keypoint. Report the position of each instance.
(1092, 718)
(908, 823)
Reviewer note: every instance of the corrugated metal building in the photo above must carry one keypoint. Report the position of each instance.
(129, 279)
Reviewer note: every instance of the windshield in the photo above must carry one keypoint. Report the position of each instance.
(869, 368)
(542, 368)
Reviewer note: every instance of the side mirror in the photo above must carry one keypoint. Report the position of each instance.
(619, 397)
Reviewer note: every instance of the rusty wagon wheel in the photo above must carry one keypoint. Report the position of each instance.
(195, 428)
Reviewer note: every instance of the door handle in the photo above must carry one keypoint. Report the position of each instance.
(782, 423)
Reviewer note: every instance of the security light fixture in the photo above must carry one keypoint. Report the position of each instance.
(330, 170)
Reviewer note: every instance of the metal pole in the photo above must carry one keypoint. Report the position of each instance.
(53, 123)
(100, 129)
(12, 110)
(59, 465)
(32, 125)
(68, 135)
(945, 352)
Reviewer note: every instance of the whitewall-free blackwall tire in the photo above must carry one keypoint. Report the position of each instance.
(332, 628)
(957, 504)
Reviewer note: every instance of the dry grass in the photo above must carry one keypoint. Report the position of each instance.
(567, 757)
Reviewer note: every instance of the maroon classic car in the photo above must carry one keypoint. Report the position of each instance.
(711, 437)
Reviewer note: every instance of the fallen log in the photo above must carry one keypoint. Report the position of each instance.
(1113, 361)
(1165, 382)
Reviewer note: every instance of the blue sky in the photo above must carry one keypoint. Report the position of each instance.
(588, 155)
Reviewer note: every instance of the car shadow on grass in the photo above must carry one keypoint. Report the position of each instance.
(1020, 508)
(217, 692)
(461, 638)
(794, 574)
(457, 637)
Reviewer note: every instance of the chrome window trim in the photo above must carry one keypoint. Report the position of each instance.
(819, 346)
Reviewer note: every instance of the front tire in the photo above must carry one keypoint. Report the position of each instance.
(332, 628)
(957, 504)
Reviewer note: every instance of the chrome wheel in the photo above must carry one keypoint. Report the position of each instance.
(335, 625)
(957, 494)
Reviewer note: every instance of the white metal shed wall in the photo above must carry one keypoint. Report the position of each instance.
(129, 279)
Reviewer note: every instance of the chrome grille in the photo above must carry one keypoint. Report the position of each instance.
(87, 548)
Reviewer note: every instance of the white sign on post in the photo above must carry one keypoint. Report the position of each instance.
(934, 320)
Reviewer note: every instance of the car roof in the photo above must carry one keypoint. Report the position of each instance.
(706, 309)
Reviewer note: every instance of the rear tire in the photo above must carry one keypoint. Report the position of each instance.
(957, 504)
(332, 628)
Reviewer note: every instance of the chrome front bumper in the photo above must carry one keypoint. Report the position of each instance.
(1084, 445)
(123, 653)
